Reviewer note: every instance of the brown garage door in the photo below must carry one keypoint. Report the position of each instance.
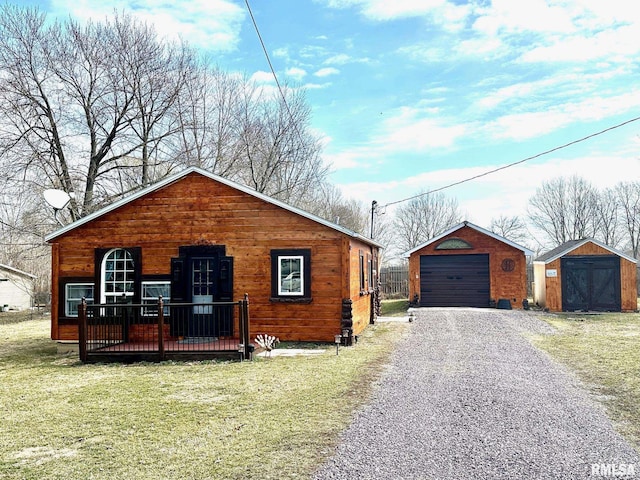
(454, 280)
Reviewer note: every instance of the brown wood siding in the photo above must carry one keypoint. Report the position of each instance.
(361, 298)
(198, 210)
(628, 278)
(509, 285)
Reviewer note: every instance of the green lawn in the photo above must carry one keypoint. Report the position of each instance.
(276, 418)
(394, 308)
(604, 351)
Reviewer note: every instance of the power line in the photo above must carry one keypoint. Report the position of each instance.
(273, 72)
(546, 152)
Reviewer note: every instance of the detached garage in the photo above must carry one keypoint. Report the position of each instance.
(468, 266)
(585, 275)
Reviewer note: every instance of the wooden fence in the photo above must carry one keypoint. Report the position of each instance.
(394, 281)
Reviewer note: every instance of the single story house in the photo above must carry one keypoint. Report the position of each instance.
(468, 266)
(16, 288)
(585, 275)
(195, 237)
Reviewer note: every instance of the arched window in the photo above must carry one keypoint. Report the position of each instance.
(118, 276)
(454, 244)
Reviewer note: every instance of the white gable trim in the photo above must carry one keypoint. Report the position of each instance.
(16, 271)
(173, 178)
(580, 244)
(525, 250)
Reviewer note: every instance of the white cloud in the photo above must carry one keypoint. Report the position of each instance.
(506, 192)
(296, 73)
(619, 44)
(213, 25)
(447, 14)
(325, 72)
(281, 53)
(408, 131)
(520, 126)
(316, 86)
(530, 16)
(262, 77)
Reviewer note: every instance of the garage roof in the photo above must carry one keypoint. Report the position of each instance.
(525, 250)
(566, 247)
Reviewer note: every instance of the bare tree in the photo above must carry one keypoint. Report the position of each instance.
(629, 198)
(512, 228)
(563, 209)
(424, 217)
(606, 217)
(280, 157)
(78, 99)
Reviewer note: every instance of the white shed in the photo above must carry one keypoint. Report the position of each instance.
(16, 288)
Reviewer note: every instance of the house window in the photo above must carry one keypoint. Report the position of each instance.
(454, 244)
(118, 276)
(362, 272)
(151, 291)
(291, 274)
(370, 272)
(74, 293)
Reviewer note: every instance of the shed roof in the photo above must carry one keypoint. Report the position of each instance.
(525, 250)
(569, 246)
(16, 271)
(178, 176)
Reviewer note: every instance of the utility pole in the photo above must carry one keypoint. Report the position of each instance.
(373, 209)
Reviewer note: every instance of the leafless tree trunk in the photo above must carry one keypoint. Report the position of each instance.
(629, 198)
(424, 217)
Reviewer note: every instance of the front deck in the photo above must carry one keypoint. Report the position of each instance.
(164, 331)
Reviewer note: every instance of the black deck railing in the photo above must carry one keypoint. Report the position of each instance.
(160, 331)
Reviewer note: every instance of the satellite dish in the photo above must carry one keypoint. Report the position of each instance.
(57, 199)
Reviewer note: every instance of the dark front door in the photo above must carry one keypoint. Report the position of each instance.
(591, 283)
(454, 280)
(203, 275)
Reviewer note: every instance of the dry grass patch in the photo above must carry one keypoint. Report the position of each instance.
(604, 350)
(275, 418)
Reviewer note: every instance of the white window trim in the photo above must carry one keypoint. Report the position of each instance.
(143, 298)
(103, 283)
(66, 296)
(291, 257)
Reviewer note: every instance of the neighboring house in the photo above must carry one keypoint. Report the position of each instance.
(468, 266)
(195, 237)
(16, 288)
(584, 275)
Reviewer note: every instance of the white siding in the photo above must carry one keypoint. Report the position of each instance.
(15, 290)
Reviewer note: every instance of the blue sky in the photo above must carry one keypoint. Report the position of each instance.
(418, 94)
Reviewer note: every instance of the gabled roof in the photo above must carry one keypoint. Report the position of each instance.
(178, 176)
(567, 247)
(525, 250)
(16, 271)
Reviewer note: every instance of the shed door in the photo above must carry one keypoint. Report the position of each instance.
(591, 283)
(454, 280)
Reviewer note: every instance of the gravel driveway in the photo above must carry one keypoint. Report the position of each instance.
(466, 396)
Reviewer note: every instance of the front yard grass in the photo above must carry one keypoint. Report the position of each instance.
(394, 308)
(276, 418)
(604, 351)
